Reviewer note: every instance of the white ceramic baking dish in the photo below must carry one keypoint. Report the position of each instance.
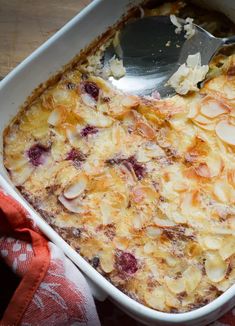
(37, 68)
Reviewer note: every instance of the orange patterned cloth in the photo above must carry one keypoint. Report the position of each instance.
(52, 291)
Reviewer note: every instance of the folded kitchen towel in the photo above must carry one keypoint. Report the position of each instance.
(51, 291)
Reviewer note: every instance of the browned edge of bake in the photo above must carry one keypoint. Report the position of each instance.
(78, 59)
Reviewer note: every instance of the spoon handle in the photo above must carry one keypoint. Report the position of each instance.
(229, 40)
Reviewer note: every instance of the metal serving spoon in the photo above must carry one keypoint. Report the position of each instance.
(151, 52)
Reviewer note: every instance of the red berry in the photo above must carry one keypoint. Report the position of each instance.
(88, 130)
(137, 167)
(127, 263)
(92, 89)
(76, 156)
(37, 154)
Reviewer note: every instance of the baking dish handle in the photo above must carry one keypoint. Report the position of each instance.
(97, 293)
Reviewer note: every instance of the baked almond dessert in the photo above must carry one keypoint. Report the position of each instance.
(142, 188)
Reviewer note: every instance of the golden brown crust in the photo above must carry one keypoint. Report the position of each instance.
(141, 188)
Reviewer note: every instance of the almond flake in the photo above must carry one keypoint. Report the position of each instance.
(226, 132)
(88, 100)
(203, 120)
(202, 170)
(209, 127)
(54, 118)
(145, 130)
(171, 261)
(212, 109)
(153, 231)
(76, 188)
(107, 261)
(215, 164)
(189, 200)
(228, 248)
(73, 136)
(231, 177)
(149, 247)
(215, 267)
(193, 111)
(74, 206)
(156, 298)
(222, 191)
(130, 101)
(192, 277)
(212, 242)
(175, 285)
(163, 223)
(107, 212)
(22, 174)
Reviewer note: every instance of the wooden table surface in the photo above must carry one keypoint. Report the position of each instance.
(26, 24)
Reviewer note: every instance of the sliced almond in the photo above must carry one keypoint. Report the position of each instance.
(192, 277)
(15, 162)
(215, 267)
(193, 249)
(76, 188)
(156, 298)
(189, 201)
(163, 223)
(111, 205)
(212, 109)
(149, 247)
(54, 118)
(107, 261)
(88, 100)
(74, 205)
(130, 101)
(193, 111)
(203, 120)
(226, 132)
(121, 243)
(138, 221)
(171, 261)
(145, 130)
(178, 218)
(212, 242)
(21, 175)
(231, 177)
(222, 191)
(228, 248)
(209, 127)
(62, 96)
(95, 118)
(142, 155)
(172, 301)
(73, 136)
(118, 135)
(153, 231)
(107, 212)
(202, 170)
(215, 164)
(175, 285)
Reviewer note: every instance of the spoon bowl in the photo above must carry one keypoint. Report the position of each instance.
(152, 52)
